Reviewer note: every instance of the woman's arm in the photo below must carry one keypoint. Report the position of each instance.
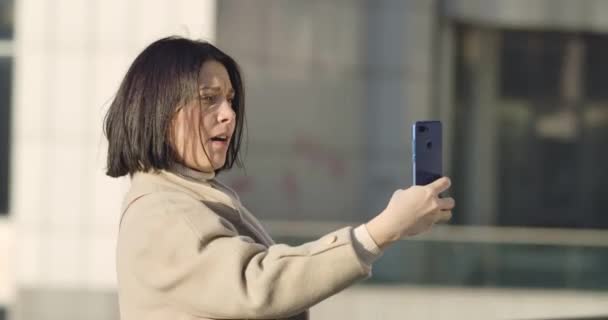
(176, 246)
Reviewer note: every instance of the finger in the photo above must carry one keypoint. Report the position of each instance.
(440, 185)
(446, 203)
(443, 216)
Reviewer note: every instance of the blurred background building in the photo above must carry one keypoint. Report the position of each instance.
(332, 90)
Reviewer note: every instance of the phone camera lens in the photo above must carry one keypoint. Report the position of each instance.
(422, 129)
(429, 144)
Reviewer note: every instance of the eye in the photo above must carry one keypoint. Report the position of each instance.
(230, 99)
(207, 98)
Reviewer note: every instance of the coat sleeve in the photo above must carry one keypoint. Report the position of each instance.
(179, 248)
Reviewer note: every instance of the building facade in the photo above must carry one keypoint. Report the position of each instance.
(332, 89)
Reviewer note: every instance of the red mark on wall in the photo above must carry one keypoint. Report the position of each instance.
(289, 185)
(320, 155)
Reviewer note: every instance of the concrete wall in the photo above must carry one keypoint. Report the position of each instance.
(441, 303)
(332, 88)
(70, 58)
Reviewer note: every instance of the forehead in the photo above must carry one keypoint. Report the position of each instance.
(214, 74)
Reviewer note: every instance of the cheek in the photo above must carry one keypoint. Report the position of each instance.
(185, 135)
(177, 137)
(208, 124)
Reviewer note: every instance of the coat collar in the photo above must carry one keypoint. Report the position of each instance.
(205, 190)
(191, 174)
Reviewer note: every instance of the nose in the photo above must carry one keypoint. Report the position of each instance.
(226, 113)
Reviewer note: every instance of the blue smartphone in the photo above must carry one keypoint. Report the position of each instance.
(426, 152)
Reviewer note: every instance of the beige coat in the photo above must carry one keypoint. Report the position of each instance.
(190, 250)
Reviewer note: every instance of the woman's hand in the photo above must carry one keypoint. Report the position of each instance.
(410, 212)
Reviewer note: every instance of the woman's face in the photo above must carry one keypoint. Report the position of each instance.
(203, 128)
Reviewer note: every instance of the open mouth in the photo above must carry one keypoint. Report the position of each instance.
(220, 138)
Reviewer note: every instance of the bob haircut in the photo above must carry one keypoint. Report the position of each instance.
(164, 76)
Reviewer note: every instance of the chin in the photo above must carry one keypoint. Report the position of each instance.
(218, 164)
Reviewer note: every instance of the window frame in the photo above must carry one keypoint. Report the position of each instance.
(7, 51)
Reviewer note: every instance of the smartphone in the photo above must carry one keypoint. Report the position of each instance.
(426, 152)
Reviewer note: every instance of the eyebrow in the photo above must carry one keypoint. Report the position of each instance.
(216, 89)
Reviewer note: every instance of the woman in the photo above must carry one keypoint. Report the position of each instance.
(187, 247)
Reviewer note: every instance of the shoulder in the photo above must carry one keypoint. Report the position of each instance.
(153, 182)
(153, 203)
(155, 186)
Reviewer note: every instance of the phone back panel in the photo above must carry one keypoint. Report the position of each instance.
(426, 154)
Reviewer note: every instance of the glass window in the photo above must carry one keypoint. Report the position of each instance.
(6, 19)
(531, 128)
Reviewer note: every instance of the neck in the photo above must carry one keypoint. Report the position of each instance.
(191, 174)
